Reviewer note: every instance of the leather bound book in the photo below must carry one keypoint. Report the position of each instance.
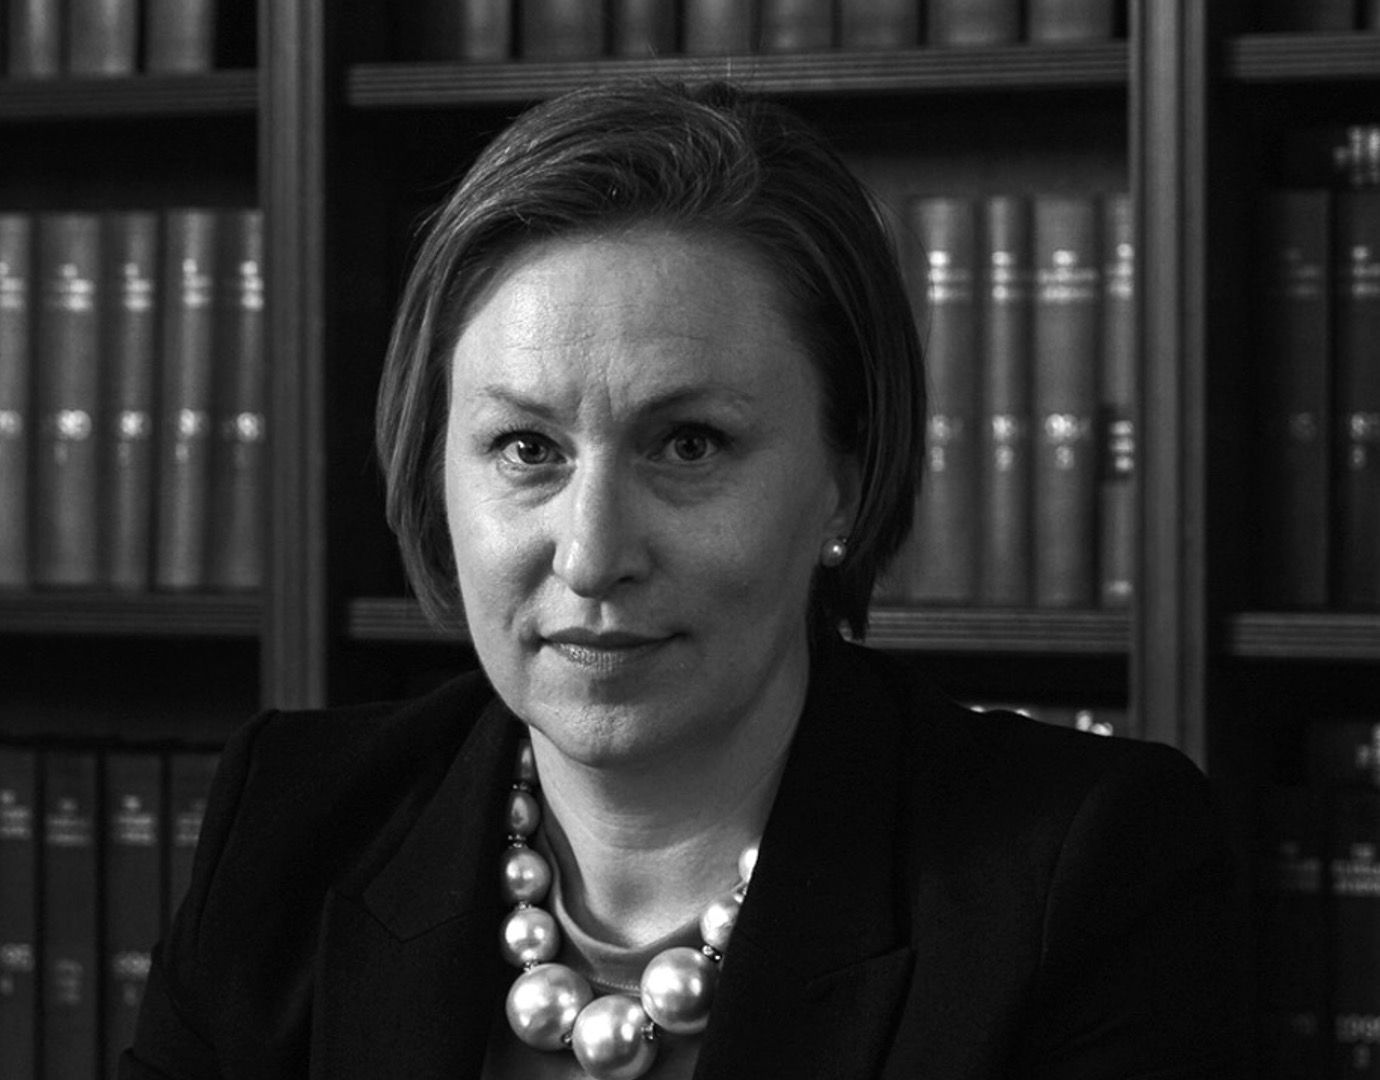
(1005, 478)
(189, 781)
(70, 927)
(972, 22)
(1296, 15)
(879, 24)
(1068, 286)
(718, 27)
(475, 30)
(179, 36)
(1117, 426)
(67, 384)
(33, 49)
(1353, 897)
(16, 373)
(945, 563)
(134, 889)
(102, 37)
(130, 333)
(184, 449)
(239, 465)
(561, 29)
(18, 911)
(643, 27)
(1292, 456)
(796, 25)
(1052, 21)
(1357, 327)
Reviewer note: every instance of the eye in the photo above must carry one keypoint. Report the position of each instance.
(526, 449)
(692, 443)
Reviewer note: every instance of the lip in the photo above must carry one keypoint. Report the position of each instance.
(602, 651)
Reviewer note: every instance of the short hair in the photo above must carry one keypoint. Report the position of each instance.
(707, 160)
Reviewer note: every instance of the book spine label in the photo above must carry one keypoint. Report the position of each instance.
(644, 27)
(1353, 875)
(1005, 577)
(717, 27)
(1067, 293)
(179, 36)
(18, 911)
(879, 24)
(102, 36)
(189, 781)
(796, 25)
(34, 49)
(972, 22)
(1358, 398)
(67, 386)
(239, 466)
(184, 462)
(16, 371)
(562, 29)
(1070, 20)
(1117, 521)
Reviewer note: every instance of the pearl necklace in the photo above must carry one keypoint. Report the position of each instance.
(552, 1007)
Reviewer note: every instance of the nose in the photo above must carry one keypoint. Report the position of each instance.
(599, 541)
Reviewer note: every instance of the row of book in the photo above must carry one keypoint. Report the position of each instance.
(92, 38)
(132, 434)
(96, 849)
(1318, 910)
(1320, 15)
(1317, 441)
(497, 30)
(1026, 313)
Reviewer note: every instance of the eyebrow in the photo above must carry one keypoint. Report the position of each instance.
(662, 402)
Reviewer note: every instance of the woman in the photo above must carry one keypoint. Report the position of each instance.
(652, 412)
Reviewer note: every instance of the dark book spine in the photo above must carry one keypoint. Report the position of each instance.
(946, 524)
(102, 37)
(1117, 427)
(16, 373)
(972, 22)
(474, 30)
(879, 24)
(717, 27)
(189, 781)
(179, 36)
(1070, 20)
(643, 27)
(1370, 14)
(1293, 455)
(184, 455)
(1286, 15)
(1357, 322)
(239, 465)
(1005, 573)
(70, 918)
(134, 889)
(66, 465)
(130, 251)
(796, 25)
(1344, 752)
(18, 912)
(34, 48)
(562, 29)
(1068, 288)
(1353, 878)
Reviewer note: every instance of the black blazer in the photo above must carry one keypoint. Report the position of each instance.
(939, 894)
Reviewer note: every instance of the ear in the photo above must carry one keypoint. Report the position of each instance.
(847, 476)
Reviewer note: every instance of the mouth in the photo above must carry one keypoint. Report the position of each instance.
(602, 651)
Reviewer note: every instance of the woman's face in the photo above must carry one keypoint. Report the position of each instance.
(638, 489)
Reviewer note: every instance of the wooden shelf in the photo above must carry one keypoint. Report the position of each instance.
(141, 615)
(388, 618)
(1016, 67)
(132, 96)
(1286, 58)
(1304, 636)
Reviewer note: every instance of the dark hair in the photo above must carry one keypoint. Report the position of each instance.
(709, 160)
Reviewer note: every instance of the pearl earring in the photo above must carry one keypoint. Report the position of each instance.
(834, 552)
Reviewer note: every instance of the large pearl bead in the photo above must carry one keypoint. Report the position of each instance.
(678, 989)
(718, 921)
(530, 936)
(543, 1003)
(524, 813)
(526, 876)
(608, 1039)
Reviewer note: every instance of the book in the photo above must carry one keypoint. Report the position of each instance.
(1344, 752)
(972, 22)
(66, 465)
(18, 911)
(129, 248)
(1357, 328)
(1353, 884)
(70, 928)
(1005, 478)
(1117, 390)
(474, 30)
(33, 49)
(717, 27)
(239, 465)
(1307, 15)
(643, 27)
(1066, 330)
(879, 24)
(795, 25)
(16, 372)
(189, 781)
(945, 561)
(134, 889)
(184, 455)
(561, 29)
(1293, 454)
(179, 36)
(102, 37)
(1370, 14)
(1051, 21)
